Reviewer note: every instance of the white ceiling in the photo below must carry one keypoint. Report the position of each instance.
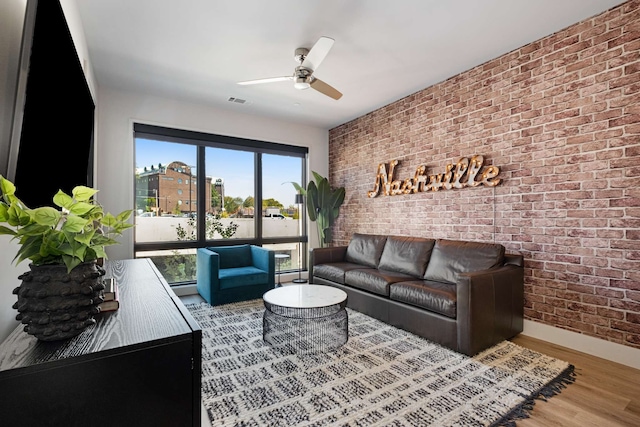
(197, 50)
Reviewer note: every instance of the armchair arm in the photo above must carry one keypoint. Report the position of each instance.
(490, 306)
(208, 267)
(264, 259)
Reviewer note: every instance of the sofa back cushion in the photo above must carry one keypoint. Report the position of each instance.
(365, 249)
(451, 257)
(233, 256)
(409, 255)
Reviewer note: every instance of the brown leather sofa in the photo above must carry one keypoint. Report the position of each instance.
(466, 296)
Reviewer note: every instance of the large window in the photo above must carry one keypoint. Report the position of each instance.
(194, 190)
(166, 184)
(233, 175)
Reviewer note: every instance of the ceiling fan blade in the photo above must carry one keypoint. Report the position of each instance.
(325, 89)
(267, 80)
(317, 53)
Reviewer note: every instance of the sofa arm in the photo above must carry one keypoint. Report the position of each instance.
(265, 260)
(325, 255)
(490, 307)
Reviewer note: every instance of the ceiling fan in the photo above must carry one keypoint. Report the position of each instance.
(303, 77)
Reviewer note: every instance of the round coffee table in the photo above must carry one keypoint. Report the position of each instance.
(305, 318)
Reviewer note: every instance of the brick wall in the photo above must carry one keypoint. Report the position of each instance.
(560, 117)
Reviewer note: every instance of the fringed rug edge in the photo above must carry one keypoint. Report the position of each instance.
(553, 388)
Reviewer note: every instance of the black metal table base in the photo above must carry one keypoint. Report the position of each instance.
(305, 330)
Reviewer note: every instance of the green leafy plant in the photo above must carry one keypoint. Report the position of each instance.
(76, 233)
(176, 268)
(323, 204)
(212, 225)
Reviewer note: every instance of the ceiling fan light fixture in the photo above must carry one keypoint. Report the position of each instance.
(301, 83)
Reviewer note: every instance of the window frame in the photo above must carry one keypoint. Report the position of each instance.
(202, 141)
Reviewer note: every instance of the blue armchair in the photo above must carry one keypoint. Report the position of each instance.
(229, 274)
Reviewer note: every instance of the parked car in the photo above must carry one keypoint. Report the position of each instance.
(279, 216)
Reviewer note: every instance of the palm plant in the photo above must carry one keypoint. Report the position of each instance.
(323, 205)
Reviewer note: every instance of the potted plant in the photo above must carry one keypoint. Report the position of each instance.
(323, 205)
(59, 295)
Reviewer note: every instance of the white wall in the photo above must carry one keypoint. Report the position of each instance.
(118, 110)
(8, 281)
(12, 13)
(72, 15)
(164, 229)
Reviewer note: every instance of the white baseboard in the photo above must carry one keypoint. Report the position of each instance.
(594, 346)
(184, 290)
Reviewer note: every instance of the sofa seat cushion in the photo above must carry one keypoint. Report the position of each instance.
(334, 271)
(374, 280)
(452, 257)
(433, 296)
(409, 255)
(365, 249)
(242, 276)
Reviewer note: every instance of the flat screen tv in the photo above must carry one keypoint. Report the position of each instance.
(51, 145)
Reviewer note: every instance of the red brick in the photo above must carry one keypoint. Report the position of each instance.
(624, 326)
(583, 289)
(610, 313)
(582, 308)
(615, 336)
(579, 326)
(595, 320)
(626, 305)
(568, 295)
(633, 339)
(595, 300)
(607, 36)
(569, 314)
(626, 284)
(633, 318)
(532, 314)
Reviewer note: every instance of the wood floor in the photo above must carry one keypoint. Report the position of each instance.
(605, 394)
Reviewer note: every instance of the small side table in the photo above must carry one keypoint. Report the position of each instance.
(279, 259)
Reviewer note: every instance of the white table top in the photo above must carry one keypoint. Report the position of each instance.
(305, 296)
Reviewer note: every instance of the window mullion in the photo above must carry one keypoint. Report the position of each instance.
(257, 204)
(201, 195)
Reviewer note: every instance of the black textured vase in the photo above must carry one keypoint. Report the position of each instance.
(56, 305)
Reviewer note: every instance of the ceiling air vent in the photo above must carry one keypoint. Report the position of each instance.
(237, 100)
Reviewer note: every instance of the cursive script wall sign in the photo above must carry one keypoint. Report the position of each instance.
(462, 174)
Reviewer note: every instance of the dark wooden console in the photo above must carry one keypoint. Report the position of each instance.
(138, 366)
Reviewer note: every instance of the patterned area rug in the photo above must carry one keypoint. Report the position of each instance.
(383, 376)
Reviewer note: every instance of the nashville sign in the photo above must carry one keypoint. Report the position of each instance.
(465, 173)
